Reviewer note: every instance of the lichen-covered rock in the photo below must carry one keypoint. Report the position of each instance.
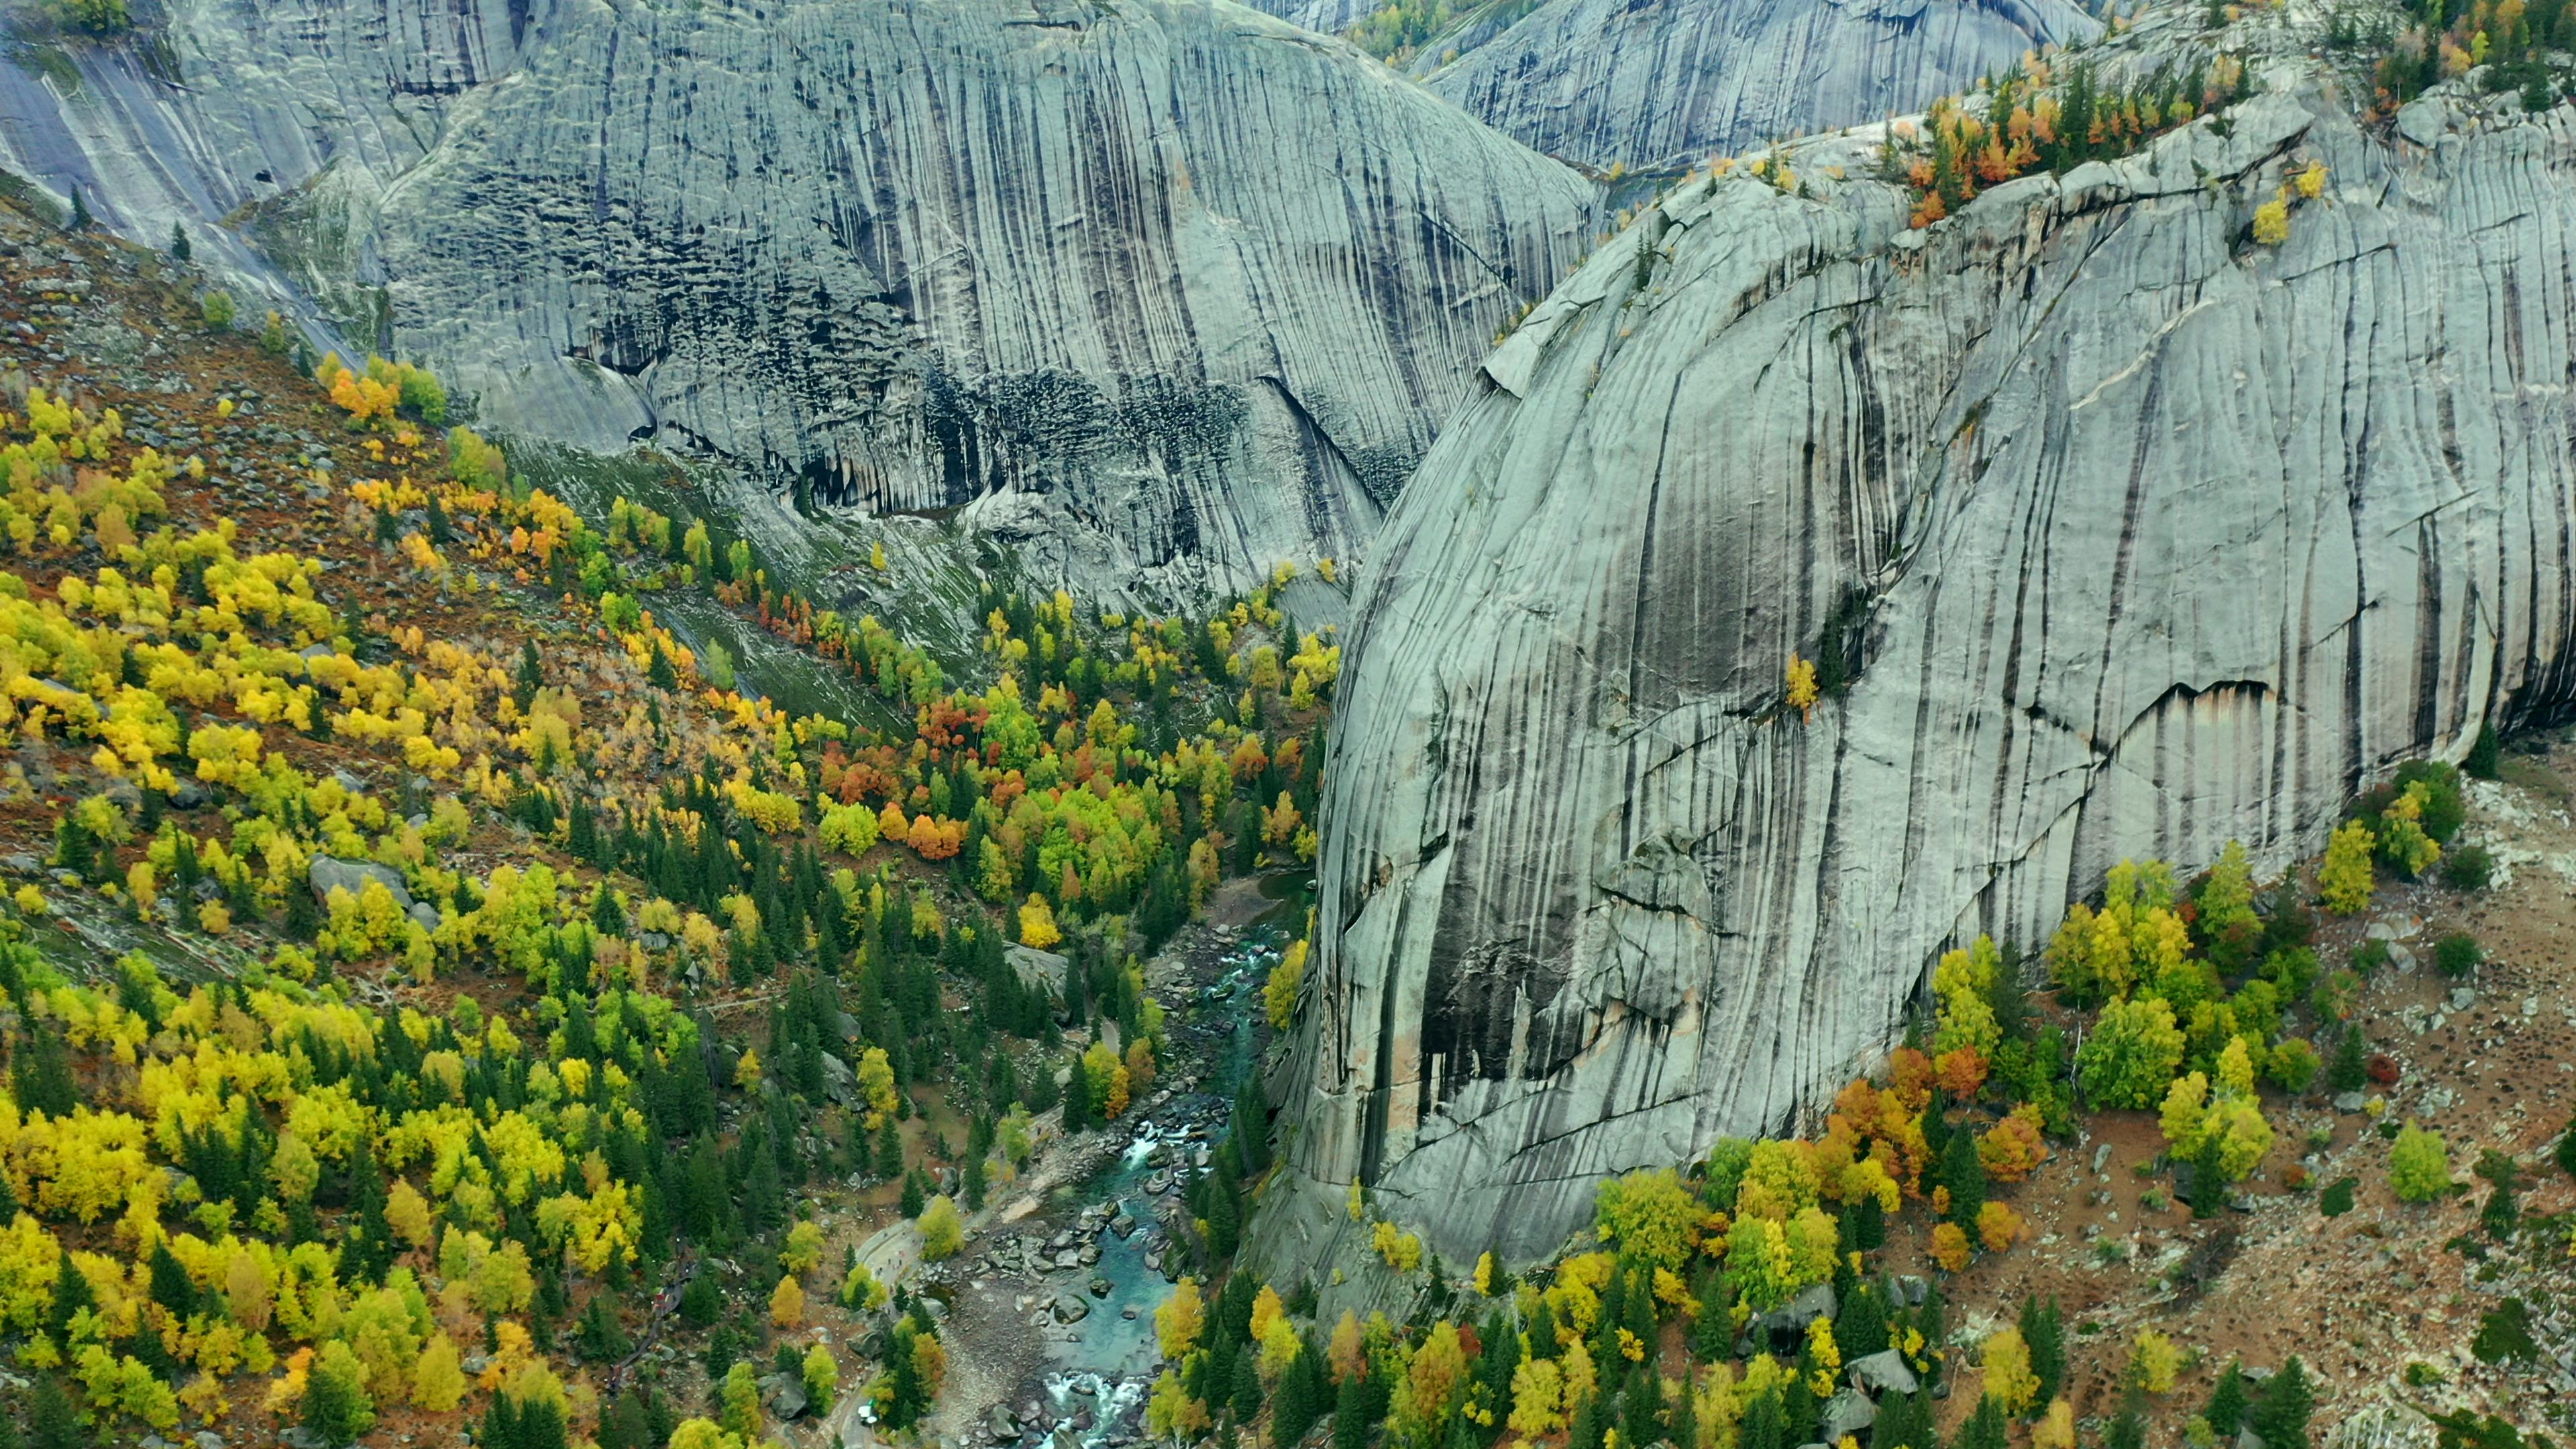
(1609, 81)
(1167, 290)
(2145, 537)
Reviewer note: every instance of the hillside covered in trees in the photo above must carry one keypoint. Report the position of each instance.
(429, 983)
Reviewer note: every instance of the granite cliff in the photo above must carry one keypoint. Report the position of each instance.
(1166, 289)
(2135, 534)
(1664, 84)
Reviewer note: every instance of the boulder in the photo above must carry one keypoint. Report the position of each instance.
(1885, 1371)
(1070, 1308)
(327, 874)
(784, 1394)
(839, 1082)
(1847, 1412)
(1043, 970)
(1790, 1319)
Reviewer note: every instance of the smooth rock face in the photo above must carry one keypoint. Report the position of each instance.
(1167, 290)
(1603, 81)
(2157, 538)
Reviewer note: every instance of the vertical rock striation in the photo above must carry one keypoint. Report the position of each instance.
(1665, 83)
(1166, 289)
(1603, 81)
(2147, 537)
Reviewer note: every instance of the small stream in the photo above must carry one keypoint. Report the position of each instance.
(1103, 1367)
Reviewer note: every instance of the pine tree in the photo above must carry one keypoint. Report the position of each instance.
(2350, 1066)
(1764, 1426)
(1860, 1327)
(913, 1196)
(974, 1185)
(541, 1426)
(42, 1075)
(72, 1295)
(603, 1338)
(2208, 1196)
(170, 1285)
(889, 1151)
(2129, 1428)
(1641, 1420)
(1985, 1427)
(2281, 1420)
(179, 248)
(2226, 1411)
(1586, 1432)
(80, 211)
(336, 1406)
(1246, 1388)
(1965, 1175)
(1299, 1402)
(1350, 1415)
(53, 1420)
(500, 1424)
(701, 1303)
(2044, 1331)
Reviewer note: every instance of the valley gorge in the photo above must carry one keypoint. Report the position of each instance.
(1305, 724)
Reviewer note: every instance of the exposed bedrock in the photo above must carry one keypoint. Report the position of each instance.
(2153, 537)
(1167, 289)
(1669, 81)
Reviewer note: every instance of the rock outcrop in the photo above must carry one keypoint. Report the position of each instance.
(1608, 81)
(1665, 84)
(1167, 290)
(2140, 536)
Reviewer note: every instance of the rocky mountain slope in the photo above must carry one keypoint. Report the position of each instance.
(1603, 82)
(2135, 534)
(1176, 289)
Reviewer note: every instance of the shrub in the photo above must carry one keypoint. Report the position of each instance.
(2445, 806)
(2566, 1153)
(98, 17)
(2468, 868)
(2293, 1064)
(2456, 954)
(2334, 996)
(2272, 221)
(218, 310)
(2483, 756)
(2505, 1333)
(2419, 1165)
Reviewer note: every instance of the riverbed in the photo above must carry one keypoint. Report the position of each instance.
(1049, 1312)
